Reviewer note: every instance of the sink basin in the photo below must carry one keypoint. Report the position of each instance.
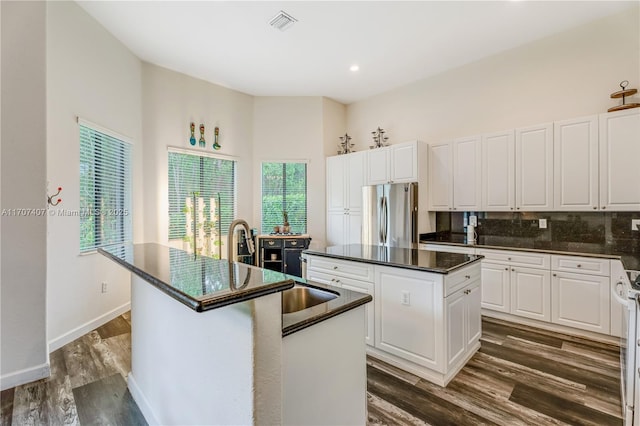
(299, 297)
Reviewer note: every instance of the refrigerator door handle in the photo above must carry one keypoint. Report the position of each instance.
(380, 220)
(385, 217)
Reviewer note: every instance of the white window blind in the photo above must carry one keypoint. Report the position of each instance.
(284, 188)
(213, 182)
(105, 189)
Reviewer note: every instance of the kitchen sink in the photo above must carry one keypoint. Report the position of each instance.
(299, 298)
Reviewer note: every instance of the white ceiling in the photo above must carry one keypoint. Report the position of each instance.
(394, 43)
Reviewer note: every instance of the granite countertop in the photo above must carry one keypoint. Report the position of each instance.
(203, 283)
(423, 260)
(631, 261)
(199, 282)
(346, 300)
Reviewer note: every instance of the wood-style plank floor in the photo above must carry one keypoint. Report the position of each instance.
(520, 376)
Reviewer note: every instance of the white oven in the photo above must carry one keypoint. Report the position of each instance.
(629, 356)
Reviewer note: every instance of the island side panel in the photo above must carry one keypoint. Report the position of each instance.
(199, 368)
(325, 373)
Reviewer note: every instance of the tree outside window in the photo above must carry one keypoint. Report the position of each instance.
(284, 189)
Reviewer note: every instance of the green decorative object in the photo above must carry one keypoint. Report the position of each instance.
(192, 140)
(216, 145)
(201, 142)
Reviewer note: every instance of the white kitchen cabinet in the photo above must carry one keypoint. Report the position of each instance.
(409, 315)
(498, 171)
(575, 160)
(397, 163)
(534, 168)
(496, 294)
(463, 322)
(345, 177)
(467, 174)
(440, 176)
(619, 155)
(531, 293)
(581, 301)
(447, 248)
(363, 287)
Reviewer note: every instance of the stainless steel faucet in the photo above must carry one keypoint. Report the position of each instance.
(247, 236)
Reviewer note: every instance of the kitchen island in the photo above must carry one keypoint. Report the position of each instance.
(211, 345)
(425, 317)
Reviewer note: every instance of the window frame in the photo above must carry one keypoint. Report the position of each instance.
(126, 219)
(288, 161)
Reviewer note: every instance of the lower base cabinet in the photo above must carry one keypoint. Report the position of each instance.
(581, 301)
(462, 313)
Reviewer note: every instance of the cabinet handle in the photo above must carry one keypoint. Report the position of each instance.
(467, 276)
(294, 243)
(333, 279)
(508, 258)
(506, 269)
(579, 265)
(595, 208)
(513, 270)
(555, 275)
(335, 267)
(604, 207)
(270, 243)
(511, 208)
(337, 281)
(518, 208)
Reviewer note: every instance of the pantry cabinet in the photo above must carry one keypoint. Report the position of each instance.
(345, 178)
(619, 156)
(575, 159)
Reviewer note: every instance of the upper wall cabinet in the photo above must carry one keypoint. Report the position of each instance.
(498, 186)
(575, 160)
(394, 164)
(619, 157)
(440, 168)
(534, 168)
(467, 174)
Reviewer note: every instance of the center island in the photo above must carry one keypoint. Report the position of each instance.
(214, 342)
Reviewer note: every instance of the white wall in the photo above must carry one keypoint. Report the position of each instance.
(23, 350)
(170, 102)
(334, 125)
(92, 75)
(563, 76)
(291, 128)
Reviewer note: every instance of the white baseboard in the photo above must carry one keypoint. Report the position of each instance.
(142, 402)
(27, 375)
(80, 331)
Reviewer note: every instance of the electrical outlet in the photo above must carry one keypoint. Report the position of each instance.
(634, 224)
(473, 220)
(542, 223)
(406, 298)
(104, 287)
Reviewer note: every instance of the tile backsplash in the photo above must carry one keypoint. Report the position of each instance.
(602, 228)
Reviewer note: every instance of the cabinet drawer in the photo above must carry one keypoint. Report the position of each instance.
(459, 279)
(294, 243)
(517, 258)
(342, 268)
(581, 265)
(447, 248)
(271, 242)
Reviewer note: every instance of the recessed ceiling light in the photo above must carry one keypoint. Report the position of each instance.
(282, 21)
(354, 68)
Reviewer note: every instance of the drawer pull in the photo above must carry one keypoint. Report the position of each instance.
(508, 258)
(270, 243)
(555, 275)
(506, 269)
(467, 276)
(294, 243)
(513, 270)
(579, 265)
(335, 267)
(337, 281)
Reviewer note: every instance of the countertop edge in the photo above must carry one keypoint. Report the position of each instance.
(442, 271)
(204, 304)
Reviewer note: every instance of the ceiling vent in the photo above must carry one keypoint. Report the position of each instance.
(282, 21)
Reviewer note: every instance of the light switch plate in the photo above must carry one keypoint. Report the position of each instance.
(634, 224)
(542, 223)
(406, 298)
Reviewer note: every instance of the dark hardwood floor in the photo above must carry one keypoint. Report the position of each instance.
(520, 376)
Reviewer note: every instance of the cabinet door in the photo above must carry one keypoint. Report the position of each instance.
(619, 156)
(575, 164)
(404, 162)
(336, 228)
(292, 262)
(409, 315)
(580, 301)
(456, 318)
(498, 171)
(355, 179)
(362, 287)
(353, 231)
(378, 166)
(495, 287)
(467, 174)
(336, 183)
(474, 316)
(534, 168)
(531, 293)
(440, 176)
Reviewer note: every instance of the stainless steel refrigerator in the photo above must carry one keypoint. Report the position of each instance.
(390, 215)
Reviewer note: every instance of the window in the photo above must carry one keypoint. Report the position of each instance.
(212, 181)
(284, 188)
(105, 189)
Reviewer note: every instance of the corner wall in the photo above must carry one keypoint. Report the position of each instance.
(566, 75)
(92, 75)
(23, 353)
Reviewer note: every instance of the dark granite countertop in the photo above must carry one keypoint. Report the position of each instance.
(630, 261)
(423, 260)
(199, 282)
(203, 283)
(345, 301)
